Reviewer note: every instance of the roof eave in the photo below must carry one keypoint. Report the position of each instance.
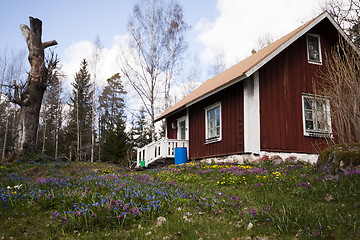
(226, 85)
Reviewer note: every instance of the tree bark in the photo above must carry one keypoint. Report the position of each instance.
(32, 95)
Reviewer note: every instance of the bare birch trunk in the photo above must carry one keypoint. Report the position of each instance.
(57, 125)
(6, 132)
(44, 131)
(78, 144)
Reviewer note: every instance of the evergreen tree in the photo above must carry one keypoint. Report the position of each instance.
(78, 132)
(141, 132)
(114, 140)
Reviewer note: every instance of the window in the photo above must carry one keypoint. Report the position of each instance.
(213, 123)
(313, 48)
(316, 114)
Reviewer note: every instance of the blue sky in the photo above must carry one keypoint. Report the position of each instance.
(231, 27)
(72, 21)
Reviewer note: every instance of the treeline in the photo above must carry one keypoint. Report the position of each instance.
(66, 127)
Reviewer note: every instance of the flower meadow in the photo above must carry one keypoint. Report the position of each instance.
(74, 200)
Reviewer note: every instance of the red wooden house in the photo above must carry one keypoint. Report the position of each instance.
(263, 105)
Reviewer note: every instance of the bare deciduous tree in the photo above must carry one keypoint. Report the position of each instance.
(29, 95)
(94, 63)
(341, 84)
(219, 64)
(156, 44)
(346, 14)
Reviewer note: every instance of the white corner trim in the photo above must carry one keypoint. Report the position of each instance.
(252, 114)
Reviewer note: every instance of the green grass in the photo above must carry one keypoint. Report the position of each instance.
(79, 200)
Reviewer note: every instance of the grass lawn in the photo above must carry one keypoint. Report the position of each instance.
(81, 200)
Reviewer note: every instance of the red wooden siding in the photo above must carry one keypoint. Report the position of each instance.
(172, 133)
(282, 82)
(232, 112)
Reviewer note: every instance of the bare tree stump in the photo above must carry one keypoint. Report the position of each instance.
(30, 95)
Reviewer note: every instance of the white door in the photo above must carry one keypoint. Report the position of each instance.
(181, 128)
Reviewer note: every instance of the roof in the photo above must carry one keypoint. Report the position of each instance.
(246, 67)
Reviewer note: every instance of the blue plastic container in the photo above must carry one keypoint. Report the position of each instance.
(180, 155)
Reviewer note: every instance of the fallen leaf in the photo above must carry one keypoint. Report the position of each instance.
(328, 197)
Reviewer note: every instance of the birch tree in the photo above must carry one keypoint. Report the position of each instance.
(51, 114)
(94, 63)
(11, 67)
(156, 44)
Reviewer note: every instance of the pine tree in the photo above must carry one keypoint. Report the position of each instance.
(78, 132)
(113, 122)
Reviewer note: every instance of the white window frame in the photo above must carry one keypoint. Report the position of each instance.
(212, 139)
(307, 48)
(316, 132)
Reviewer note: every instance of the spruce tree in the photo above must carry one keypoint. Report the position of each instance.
(114, 140)
(78, 133)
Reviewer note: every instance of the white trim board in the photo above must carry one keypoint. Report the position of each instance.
(252, 114)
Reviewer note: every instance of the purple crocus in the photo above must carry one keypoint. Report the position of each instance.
(63, 219)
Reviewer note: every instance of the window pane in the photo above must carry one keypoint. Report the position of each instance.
(218, 131)
(309, 125)
(182, 130)
(321, 126)
(217, 112)
(307, 104)
(308, 115)
(211, 132)
(210, 114)
(313, 48)
(319, 105)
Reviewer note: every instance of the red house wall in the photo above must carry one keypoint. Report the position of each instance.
(232, 112)
(172, 133)
(282, 82)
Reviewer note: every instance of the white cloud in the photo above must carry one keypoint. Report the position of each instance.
(241, 23)
(107, 64)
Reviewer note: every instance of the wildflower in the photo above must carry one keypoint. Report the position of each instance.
(63, 219)
(55, 214)
(93, 216)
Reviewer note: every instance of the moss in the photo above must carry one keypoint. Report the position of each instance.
(347, 153)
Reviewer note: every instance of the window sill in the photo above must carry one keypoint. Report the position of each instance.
(212, 140)
(314, 62)
(318, 134)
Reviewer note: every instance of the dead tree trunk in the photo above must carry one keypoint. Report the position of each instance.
(30, 96)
